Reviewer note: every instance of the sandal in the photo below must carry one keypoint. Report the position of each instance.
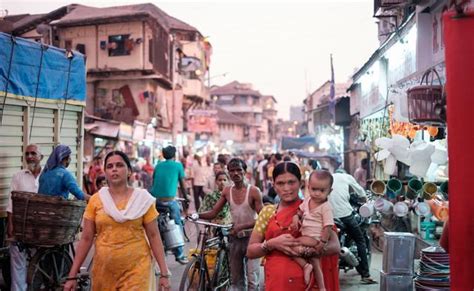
(368, 280)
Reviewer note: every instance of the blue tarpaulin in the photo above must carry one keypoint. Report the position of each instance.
(21, 69)
(293, 143)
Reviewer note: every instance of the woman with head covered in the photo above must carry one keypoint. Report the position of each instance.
(56, 180)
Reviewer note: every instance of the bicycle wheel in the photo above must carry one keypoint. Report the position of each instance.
(48, 268)
(192, 277)
(221, 276)
(191, 231)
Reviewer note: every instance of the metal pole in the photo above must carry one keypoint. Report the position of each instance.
(174, 128)
(209, 79)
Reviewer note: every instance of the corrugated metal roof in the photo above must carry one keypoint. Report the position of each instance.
(235, 88)
(86, 14)
(270, 97)
(224, 116)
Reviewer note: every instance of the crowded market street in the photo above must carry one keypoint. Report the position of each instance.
(251, 145)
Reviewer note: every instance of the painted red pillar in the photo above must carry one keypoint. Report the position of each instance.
(459, 41)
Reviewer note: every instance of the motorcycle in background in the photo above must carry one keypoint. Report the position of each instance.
(349, 257)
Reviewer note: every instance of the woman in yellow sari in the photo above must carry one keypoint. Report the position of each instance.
(124, 220)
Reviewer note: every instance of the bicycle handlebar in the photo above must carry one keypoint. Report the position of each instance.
(202, 222)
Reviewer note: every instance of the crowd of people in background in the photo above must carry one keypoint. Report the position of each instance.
(248, 190)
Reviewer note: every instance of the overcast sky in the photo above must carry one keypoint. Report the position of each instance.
(281, 47)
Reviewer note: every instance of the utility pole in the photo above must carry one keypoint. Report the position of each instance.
(174, 125)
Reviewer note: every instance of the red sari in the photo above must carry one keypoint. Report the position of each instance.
(283, 273)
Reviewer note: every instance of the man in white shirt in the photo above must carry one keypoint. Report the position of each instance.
(24, 180)
(199, 177)
(342, 209)
(211, 179)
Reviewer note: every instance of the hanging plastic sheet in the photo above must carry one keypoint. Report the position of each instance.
(20, 66)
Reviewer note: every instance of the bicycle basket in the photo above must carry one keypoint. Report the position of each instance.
(42, 220)
(425, 99)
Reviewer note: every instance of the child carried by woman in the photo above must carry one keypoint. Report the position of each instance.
(315, 220)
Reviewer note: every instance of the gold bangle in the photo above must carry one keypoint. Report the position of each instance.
(165, 275)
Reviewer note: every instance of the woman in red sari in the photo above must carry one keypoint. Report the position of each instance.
(273, 238)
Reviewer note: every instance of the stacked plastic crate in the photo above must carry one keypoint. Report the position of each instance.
(398, 262)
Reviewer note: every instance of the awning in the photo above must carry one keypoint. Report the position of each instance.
(293, 143)
(89, 126)
(106, 129)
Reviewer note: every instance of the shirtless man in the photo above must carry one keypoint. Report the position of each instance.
(245, 203)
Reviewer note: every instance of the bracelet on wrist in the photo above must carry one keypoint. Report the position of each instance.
(167, 275)
(264, 246)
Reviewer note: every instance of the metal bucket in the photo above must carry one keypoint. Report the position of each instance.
(172, 235)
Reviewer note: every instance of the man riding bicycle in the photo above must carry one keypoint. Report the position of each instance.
(166, 177)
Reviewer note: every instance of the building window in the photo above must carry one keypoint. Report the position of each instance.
(80, 47)
(225, 100)
(68, 44)
(150, 50)
(242, 100)
(120, 45)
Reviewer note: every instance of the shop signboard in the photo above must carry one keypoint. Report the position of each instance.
(163, 138)
(150, 133)
(203, 121)
(125, 132)
(139, 131)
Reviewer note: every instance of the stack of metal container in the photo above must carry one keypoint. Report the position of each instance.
(398, 262)
(434, 270)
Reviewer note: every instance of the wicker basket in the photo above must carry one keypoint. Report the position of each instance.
(423, 99)
(42, 220)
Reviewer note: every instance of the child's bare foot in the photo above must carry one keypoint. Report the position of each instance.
(307, 269)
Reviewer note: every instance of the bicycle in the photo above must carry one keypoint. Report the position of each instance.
(197, 275)
(83, 280)
(190, 230)
(48, 266)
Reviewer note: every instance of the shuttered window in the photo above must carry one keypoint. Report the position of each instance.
(45, 132)
(42, 131)
(69, 136)
(11, 140)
